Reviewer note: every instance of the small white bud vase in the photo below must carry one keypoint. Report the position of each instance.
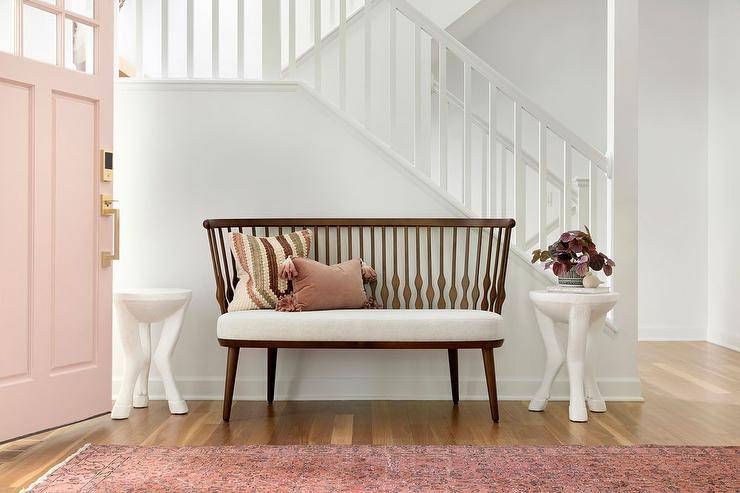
(591, 281)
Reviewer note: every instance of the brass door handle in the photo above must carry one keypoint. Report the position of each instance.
(107, 209)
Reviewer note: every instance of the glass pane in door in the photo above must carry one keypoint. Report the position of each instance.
(79, 51)
(39, 34)
(81, 7)
(7, 25)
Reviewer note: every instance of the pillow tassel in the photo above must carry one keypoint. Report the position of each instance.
(368, 273)
(287, 269)
(287, 304)
(371, 304)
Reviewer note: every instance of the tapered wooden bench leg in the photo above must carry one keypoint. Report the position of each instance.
(271, 367)
(231, 362)
(491, 382)
(454, 380)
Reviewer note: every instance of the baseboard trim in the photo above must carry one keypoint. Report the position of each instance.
(371, 388)
(725, 339)
(671, 334)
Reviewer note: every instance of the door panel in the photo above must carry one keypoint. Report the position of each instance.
(15, 217)
(75, 256)
(55, 297)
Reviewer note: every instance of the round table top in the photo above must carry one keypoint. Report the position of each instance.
(153, 294)
(572, 297)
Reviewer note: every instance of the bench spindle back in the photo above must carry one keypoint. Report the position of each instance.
(421, 263)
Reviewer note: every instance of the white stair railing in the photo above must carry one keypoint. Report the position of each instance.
(508, 145)
(486, 182)
(492, 178)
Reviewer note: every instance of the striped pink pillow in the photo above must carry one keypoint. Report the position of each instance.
(257, 263)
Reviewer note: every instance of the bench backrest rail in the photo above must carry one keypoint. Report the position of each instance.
(421, 263)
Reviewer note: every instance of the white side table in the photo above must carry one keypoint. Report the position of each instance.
(135, 311)
(583, 313)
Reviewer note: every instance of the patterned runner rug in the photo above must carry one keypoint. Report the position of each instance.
(266, 468)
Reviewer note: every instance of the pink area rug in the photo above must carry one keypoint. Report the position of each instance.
(396, 468)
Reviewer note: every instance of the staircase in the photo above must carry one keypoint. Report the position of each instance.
(421, 96)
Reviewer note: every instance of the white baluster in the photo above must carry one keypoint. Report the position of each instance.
(165, 39)
(492, 161)
(391, 73)
(271, 65)
(367, 21)
(240, 38)
(484, 178)
(520, 180)
(190, 35)
(503, 190)
(593, 198)
(542, 187)
(566, 195)
(291, 39)
(317, 44)
(443, 116)
(343, 54)
(467, 144)
(609, 243)
(422, 109)
(417, 97)
(582, 184)
(215, 70)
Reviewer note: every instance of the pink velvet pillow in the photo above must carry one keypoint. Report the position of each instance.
(317, 286)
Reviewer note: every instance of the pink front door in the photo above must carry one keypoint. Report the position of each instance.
(56, 95)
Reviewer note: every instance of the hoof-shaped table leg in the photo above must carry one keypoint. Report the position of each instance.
(594, 399)
(578, 328)
(141, 390)
(134, 363)
(163, 357)
(553, 364)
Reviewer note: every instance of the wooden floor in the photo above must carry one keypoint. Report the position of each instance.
(691, 390)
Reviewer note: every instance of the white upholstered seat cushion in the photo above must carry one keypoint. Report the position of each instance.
(362, 325)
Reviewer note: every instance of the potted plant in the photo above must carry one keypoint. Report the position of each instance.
(572, 256)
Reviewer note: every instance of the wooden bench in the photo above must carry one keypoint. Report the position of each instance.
(441, 282)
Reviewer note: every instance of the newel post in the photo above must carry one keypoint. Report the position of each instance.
(271, 38)
(622, 114)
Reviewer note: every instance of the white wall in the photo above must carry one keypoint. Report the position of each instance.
(191, 151)
(724, 173)
(672, 172)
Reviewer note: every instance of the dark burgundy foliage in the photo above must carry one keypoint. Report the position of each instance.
(574, 249)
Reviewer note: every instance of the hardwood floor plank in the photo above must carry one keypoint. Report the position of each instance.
(342, 429)
(692, 379)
